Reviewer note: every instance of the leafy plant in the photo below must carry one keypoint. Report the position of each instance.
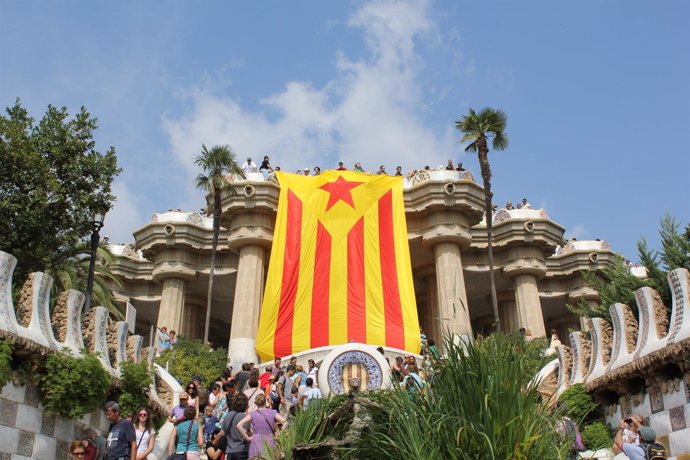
(189, 358)
(579, 405)
(596, 436)
(135, 382)
(73, 386)
(5, 362)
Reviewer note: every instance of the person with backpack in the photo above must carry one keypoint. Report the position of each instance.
(569, 431)
(648, 449)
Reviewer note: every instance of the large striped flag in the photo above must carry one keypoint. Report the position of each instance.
(340, 266)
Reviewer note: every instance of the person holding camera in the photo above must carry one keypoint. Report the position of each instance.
(628, 432)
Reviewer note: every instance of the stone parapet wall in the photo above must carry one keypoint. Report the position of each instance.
(636, 366)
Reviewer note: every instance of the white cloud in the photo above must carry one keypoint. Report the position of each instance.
(370, 111)
(125, 216)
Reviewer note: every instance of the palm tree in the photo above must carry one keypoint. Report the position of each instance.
(216, 164)
(73, 273)
(478, 128)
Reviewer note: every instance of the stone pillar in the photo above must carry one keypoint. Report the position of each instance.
(172, 304)
(453, 308)
(432, 310)
(528, 304)
(587, 294)
(246, 306)
(193, 315)
(508, 311)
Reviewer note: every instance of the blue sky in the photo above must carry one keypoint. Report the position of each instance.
(597, 94)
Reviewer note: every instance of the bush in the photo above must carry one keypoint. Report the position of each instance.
(190, 358)
(71, 386)
(579, 405)
(5, 362)
(135, 382)
(596, 435)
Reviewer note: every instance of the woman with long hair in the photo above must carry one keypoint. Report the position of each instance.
(263, 421)
(186, 437)
(144, 433)
(193, 393)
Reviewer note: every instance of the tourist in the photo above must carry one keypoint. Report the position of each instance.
(77, 450)
(628, 432)
(263, 421)
(242, 376)
(397, 369)
(358, 167)
(163, 340)
(398, 171)
(382, 171)
(226, 375)
(208, 421)
(509, 205)
(555, 341)
(459, 167)
(121, 443)
(525, 204)
(249, 166)
(276, 365)
(433, 351)
(317, 170)
(173, 339)
(252, 392)
(310, 393)
(265, 376)
(186, 437)
(285, 390)
(449, 166)
(307, 171)
(87, 438)
(312, 370)
(293, 360)
(237, 448)
(300, 377)
(203, 392)
(177, 412)
(265, 167)
(214, 396)
(215, 449)
(299, 172)
(645, 448)
(412, 382)
(193, 393)
(341, 166)
(144, 432)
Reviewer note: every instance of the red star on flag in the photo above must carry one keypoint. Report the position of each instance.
(340, 189)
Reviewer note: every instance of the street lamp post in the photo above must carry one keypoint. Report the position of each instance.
(97, 221)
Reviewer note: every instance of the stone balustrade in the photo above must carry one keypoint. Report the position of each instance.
(33, 329)
(633, 365)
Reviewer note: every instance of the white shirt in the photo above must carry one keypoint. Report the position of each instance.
(249, 167)
(312, 393)
(142, 439)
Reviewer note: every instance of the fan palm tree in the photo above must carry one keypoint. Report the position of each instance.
(73, 272)
(478, 129)
(216, 164)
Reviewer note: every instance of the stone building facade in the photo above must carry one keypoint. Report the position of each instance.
(165, 271)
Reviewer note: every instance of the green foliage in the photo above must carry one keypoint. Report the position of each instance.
(52, 178)
(579, 405)
(5, 362)
(534, 358)
(614, 284)
(190, 358)
(596, 436)
(479, 406)
(71, 386)
(135, 381)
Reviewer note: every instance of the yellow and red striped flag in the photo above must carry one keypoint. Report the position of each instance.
(340, 266)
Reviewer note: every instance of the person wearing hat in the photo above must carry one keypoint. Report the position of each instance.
(633, 438)
(647, 449)
(177, 412)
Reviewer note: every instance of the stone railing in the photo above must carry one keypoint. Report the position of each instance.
(633, 365)
(33, 329)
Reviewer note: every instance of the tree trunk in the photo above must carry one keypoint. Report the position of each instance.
(214, 246)
(483, 155)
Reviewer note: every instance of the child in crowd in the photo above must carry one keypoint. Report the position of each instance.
(209, 422)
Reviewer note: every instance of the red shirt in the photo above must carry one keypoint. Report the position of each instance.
(264, 379)
(91, 451)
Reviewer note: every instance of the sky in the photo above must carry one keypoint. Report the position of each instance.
(597, 95)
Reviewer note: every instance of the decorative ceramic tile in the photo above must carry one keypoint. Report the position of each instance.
(656, 400)
(25, 446)
(626, 406)
(5, 456)
(8, 412)
(61, 450)
(687, 390)
(677, 415)
(32, 397)
(48, 425)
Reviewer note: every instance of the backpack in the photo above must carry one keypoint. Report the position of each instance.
(654, 451)
(572, 432)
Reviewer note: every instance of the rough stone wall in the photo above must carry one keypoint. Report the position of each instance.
(25, 305)
(60, 319)
(631, 329)
(88, 328)
(111, 338)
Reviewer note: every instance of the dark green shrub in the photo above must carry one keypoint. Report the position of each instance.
(190, 358)
(579, 405)
(596, 435)
(135, 381)
(5, 362)
(73, 386)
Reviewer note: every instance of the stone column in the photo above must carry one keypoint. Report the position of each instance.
(172, 304)
(193, 314)
(529, 305)
(508, 311)
(245, 311)
(453, 308)
(587, 294)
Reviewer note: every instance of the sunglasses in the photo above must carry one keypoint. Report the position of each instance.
(143, 414)
(79, 454)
